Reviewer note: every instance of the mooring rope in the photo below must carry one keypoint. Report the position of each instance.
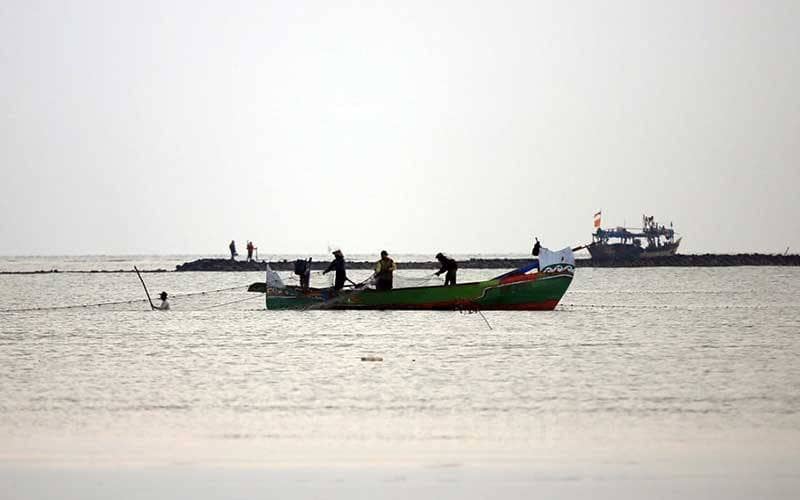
(120, 302)
(190, 294)
(231, 302)
(76, 306)
(674, 307)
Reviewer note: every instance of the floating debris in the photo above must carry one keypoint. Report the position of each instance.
(371, 358)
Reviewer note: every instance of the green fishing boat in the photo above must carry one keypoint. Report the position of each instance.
(537, 286)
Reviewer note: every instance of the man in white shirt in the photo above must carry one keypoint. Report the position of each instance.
(164, 306)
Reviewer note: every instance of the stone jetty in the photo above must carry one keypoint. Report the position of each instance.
(703, 260)
(695, 260)
(690, 260)
(224, 265)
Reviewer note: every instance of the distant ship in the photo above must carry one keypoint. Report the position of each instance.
(626, 243)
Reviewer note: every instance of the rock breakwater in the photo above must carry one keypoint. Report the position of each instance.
(703, 260)
(691, 260)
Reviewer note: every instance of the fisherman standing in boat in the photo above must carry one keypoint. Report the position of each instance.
(384, 272)
(341, 273)
(449, 266)
(302, 268)
(164, 306)
(535, 252)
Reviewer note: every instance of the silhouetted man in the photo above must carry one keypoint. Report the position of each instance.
(232, 248)
(449, 266)
(339, 266)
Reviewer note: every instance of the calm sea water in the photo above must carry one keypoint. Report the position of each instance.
(640, 374)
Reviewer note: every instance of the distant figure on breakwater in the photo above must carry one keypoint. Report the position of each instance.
(232, 248)
(339, 266)
(449, 266)
(250, 249)
(164, 306)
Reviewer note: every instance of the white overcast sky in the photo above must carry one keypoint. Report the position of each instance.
(174, 127)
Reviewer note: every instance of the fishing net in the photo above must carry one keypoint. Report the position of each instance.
(406, 281)
(362, 278)
(132, 298)
(317, 279)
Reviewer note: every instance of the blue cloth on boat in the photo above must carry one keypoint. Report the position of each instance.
(521, 270)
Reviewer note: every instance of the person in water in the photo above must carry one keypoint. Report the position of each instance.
(337, 265)
(232, 248)
(384, 272)
(449, 266)
(164, 306)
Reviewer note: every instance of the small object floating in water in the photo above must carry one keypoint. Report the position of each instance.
(371, 358)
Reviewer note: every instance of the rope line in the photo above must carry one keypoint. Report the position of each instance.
(190, 294)
(231, 302)
(77, 306)
(676, 307)
(120, 302)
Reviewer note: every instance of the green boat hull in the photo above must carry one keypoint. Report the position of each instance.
(540, 291)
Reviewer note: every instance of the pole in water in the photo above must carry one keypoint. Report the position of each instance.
(145, 288)
(486, 320)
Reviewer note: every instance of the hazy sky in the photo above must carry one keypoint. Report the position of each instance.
(174, 127)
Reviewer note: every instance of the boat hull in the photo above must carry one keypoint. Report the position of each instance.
(662, 251)
(528, 292)
(610, 252)
(620, 252)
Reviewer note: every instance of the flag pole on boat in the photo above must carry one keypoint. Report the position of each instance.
(145, 288)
